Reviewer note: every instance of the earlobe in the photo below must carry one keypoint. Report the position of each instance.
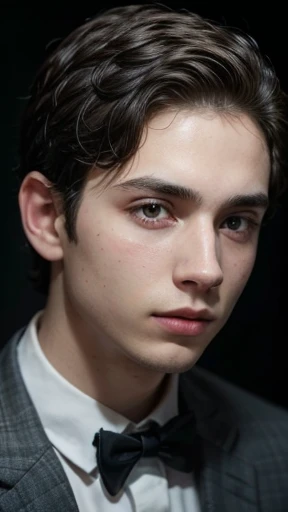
(37, 204)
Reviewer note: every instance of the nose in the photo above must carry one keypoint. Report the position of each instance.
(198, 259)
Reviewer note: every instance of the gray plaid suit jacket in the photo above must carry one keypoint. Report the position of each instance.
(243, 447)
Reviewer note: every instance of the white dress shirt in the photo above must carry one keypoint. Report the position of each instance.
(71, 418)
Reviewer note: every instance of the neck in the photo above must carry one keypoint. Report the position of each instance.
(110, 378)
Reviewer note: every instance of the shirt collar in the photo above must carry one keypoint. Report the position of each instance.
(70, 417)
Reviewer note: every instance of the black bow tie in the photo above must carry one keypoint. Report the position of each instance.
(117, 454)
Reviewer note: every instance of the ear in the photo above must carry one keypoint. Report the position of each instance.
(42, 223)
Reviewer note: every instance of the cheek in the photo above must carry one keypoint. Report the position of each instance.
(106, 256)
(133, 261)
(111, 274)
(240, 272)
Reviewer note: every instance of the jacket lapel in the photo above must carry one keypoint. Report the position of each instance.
(31, 476)
(43, 486)
(225, 481)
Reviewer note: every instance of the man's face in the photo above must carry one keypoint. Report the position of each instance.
(178, 230)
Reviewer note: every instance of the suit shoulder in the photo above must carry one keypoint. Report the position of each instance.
(261, 425)
(242, 402)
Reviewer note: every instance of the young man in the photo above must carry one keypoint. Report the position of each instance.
(151, 151)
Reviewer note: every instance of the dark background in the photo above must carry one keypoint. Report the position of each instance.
(251, 349)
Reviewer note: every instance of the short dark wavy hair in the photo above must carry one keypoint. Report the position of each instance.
(92, 97)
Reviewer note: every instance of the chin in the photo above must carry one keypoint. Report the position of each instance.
(180, 361)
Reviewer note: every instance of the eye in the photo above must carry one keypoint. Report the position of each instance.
(152, 214)
(240, 227)
(236, 222)
(153, 210)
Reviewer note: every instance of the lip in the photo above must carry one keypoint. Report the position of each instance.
(185, 321)
(182, 326)
(188, 314)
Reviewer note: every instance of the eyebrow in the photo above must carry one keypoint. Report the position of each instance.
(259, 200)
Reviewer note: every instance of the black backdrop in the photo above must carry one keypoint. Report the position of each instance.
(251, 348)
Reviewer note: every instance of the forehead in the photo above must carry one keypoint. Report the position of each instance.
(216, 155)
(203, 146)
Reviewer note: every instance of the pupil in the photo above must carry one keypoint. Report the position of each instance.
(151, 210)
(234, 223)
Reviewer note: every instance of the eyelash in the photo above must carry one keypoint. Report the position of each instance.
(155, 223)
(151, 221)
(244, 235)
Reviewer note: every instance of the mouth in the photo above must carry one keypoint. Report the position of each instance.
(185, 321)
(187, 314)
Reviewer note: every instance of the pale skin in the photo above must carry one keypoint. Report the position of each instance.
(133, 261)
